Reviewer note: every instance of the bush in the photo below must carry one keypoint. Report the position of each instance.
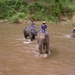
(15, 18)
(38, 16)
(34, 7)
(37, 10)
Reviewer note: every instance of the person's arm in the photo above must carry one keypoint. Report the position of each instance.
(42, 28)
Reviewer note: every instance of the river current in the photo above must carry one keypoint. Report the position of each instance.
(19, 56)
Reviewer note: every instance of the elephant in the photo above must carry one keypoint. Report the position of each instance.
(30, 33)
(43, 42)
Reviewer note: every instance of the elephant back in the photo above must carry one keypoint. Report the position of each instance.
(73, 35)
(41, 35)
(27, 29)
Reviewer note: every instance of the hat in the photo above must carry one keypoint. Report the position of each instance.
(44, 21)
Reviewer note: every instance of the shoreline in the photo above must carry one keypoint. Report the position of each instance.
(68, 22)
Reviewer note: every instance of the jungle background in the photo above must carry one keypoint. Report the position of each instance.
(38, 10)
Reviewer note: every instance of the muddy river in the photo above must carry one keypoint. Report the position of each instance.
(19, 56)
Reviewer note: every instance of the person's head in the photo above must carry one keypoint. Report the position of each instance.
(44, 22)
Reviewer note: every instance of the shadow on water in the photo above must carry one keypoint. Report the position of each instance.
(54, 53)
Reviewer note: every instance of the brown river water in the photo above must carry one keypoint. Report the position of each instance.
(18, 56)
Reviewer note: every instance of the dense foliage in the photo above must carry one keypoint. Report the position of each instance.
(51, 10)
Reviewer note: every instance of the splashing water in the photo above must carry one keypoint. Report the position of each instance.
(68, 36)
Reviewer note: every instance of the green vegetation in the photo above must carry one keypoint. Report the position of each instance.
(50, 10)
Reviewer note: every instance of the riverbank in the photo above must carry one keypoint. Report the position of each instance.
(67, 22)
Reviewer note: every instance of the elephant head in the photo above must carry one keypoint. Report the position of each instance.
(34, 31)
